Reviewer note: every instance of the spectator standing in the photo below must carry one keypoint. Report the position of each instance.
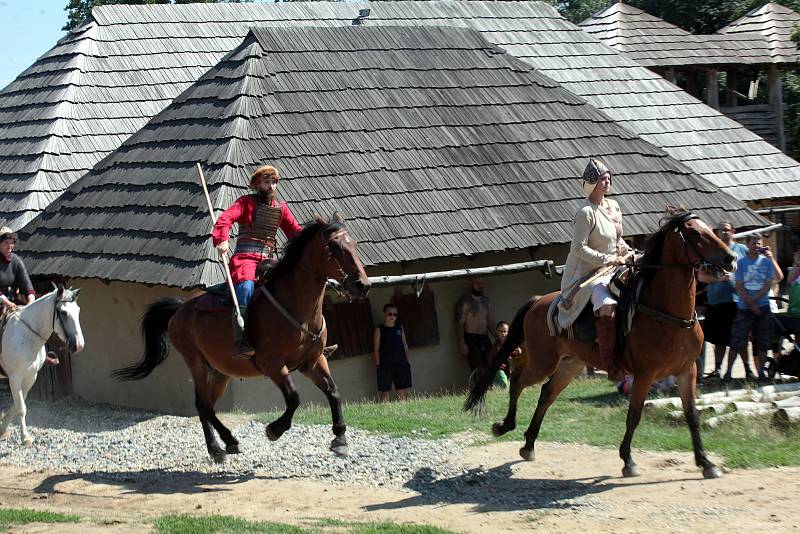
(720, 305)
(390, 350)
(473, 316)
(755, 274)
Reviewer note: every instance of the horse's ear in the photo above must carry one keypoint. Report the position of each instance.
(320, 219)
(671, 210)
(75, 292)
(337, 217)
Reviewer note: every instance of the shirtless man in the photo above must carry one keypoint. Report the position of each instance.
(474, 315)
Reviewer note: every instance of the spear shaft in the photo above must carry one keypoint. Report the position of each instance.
(228, 278)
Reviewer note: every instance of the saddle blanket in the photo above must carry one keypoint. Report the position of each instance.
(217, 298)
(625, 288)
(583, 329)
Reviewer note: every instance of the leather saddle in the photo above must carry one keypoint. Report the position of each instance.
(625, 286)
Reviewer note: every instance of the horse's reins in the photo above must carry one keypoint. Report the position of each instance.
(56, 314)
(288, 316)
(665, 317)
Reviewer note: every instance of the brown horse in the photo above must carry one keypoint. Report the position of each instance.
(285, 339)
(665, 338)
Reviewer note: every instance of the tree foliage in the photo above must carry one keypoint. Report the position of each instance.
(80, 10)
(696, 16)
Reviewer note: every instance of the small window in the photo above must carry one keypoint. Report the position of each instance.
(350, 326)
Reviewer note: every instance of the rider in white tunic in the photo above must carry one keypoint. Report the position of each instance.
(596, 247)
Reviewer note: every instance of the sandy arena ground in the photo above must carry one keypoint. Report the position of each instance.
(567, 489)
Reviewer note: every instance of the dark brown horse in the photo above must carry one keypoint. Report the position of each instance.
(664, 338)
(285, 340)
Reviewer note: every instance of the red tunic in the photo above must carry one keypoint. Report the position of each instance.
(243, 265)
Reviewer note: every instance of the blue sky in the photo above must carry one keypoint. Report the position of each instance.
(28, 29)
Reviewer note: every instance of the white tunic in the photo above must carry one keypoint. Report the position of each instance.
(596, 240)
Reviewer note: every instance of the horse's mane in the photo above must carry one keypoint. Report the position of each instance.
(655, 243)
(293, 250)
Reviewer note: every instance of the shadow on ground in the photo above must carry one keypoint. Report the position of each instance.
(151, 481)
(495, 490)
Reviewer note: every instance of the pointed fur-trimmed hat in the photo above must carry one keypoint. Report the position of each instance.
(593, 171)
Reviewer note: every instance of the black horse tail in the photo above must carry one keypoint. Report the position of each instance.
(154, 329)
(516, 336)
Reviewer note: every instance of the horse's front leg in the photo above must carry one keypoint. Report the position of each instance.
(641, 387)
(686, 387)
(283, 423)
(320, 374)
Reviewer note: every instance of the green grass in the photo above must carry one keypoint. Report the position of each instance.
(588, 411)
(353, 527)
(394, 528)
(16, 516)
(186, 524)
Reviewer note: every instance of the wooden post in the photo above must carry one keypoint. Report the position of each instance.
(731, 82)
(712, 82)
(776, 101)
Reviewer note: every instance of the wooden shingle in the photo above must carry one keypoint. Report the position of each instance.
(454, 160)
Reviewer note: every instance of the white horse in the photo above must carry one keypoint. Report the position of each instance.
(22, 350)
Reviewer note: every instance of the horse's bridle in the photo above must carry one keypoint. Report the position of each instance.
(700, 264)
(56, 316)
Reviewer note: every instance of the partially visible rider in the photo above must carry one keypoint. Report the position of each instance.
(15, 285)
(259, 216)
(596, 247)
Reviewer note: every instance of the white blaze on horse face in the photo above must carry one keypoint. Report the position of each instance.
(71, 326)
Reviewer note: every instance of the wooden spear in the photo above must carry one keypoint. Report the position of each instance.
(228, 278)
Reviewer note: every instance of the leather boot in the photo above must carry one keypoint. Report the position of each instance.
(243, 350)
(607, 340)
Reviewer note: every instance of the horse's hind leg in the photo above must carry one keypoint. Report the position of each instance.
(567, 369)
(219, 383)
(686, 386)
(203, 391)
(320, 374)
(515, 389)
(283, 423)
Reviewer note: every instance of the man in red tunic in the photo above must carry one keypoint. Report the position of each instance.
(259, 216)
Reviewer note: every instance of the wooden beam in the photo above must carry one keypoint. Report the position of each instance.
(776, 100)
(731, 81)
(712, 88)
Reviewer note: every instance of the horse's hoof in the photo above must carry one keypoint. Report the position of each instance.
(271, 434)
(630, 471)
(527, 454)
(219, 458)
(233, 448)
(5, 435)
(27, 442)
(341, 450)
(712, 471)
(339, 446)
(498, 429)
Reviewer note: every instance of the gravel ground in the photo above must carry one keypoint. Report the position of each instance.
(110, 442)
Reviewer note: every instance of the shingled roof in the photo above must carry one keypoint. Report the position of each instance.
(432, 141)
(775, 23)
(654, 42)
(104, 80)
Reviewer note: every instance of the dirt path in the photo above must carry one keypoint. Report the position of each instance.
(568, 488)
